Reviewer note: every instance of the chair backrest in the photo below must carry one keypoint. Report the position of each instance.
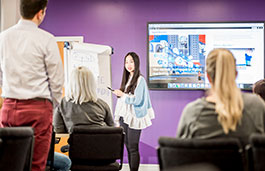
(96, 146)
(225, 153)
(196, 167)
(17, 148)
(257, 143)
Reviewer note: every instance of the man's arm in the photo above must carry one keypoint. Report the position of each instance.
(54, 70)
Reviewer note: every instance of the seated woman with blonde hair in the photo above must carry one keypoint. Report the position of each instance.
(226, 111)
(81, 106)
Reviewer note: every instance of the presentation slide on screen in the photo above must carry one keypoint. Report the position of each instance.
(177, 53)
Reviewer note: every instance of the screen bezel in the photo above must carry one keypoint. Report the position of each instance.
(197, 22)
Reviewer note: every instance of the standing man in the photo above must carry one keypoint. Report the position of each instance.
(32, 77)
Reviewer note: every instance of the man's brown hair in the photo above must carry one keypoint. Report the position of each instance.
(28, 8)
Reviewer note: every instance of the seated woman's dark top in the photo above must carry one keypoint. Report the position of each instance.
(69, 114)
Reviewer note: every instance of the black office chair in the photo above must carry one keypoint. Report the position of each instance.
(194, 167)
(257, 152)
(17, 148)
(225, 153)
(96, 148)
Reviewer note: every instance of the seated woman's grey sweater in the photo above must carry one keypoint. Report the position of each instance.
(199, 120)
(69, 114)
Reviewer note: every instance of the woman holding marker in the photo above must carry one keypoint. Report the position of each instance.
(133, 111)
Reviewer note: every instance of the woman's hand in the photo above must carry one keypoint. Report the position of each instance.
(118, 93)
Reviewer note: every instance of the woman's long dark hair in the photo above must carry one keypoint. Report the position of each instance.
(126, 74)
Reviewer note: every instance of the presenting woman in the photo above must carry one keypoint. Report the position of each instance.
(133, 111)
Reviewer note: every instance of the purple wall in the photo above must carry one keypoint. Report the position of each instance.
(122, 25)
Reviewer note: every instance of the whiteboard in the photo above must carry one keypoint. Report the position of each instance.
(95, 57)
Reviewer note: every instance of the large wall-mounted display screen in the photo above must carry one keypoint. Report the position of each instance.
(177, 52)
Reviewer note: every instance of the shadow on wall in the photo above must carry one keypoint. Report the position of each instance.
(148, 154)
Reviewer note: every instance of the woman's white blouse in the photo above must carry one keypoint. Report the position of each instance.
(136, 109)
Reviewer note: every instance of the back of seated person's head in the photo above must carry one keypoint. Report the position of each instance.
(259, 88)
(221, 72)
(82, 86)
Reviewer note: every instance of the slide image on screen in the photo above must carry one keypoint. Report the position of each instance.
(177, 59)
(177, 53)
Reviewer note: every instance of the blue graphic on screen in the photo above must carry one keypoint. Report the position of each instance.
(179, 58)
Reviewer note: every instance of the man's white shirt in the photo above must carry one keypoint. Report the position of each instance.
(30, 63)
